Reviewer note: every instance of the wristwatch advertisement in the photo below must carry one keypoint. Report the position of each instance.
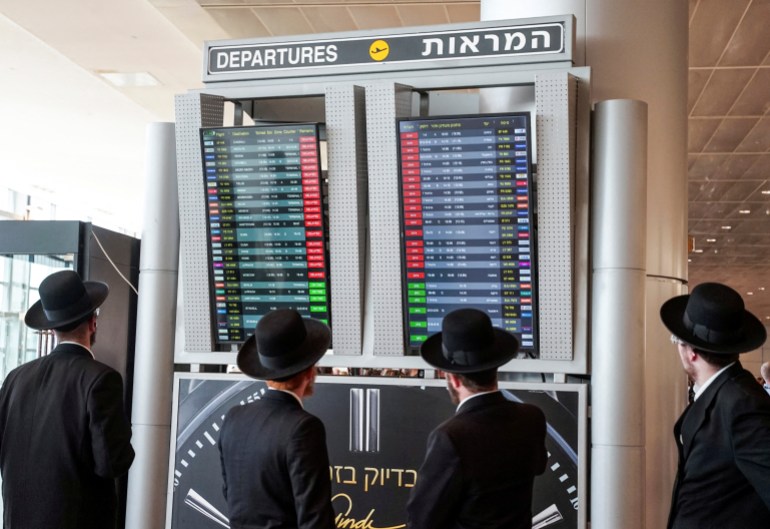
(376, 431)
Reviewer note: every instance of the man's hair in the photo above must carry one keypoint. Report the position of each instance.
(717, 359)
(480, 380)
(289, 383)
(75, 324)
(764, 370)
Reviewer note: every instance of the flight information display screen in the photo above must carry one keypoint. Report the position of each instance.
(266, 227)
(467, 223)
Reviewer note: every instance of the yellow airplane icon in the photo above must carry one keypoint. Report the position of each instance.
(379, 50)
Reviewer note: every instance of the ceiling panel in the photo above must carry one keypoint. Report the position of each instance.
(284, 20)
(696, 81)
(758, 139)
(241, 22)
(711, 210)
(760, 195)
(751, 41)
(711, 27)
(463, 12)
(375, 16)
(721, 91)
(328, 19)
(730, 133)
(699, 132)
(735, 166)
(755, 99)
(760, 169)
(423, 15)
(726, 191)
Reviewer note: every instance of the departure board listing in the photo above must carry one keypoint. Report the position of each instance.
(467, 223)
(267, 230)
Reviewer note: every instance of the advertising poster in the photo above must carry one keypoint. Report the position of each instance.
(376, 434)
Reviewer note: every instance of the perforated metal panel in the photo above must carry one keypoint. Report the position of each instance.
(192, 112)
(555, 103)
(346, 135)
(384, 103)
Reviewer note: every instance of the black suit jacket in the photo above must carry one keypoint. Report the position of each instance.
(275, 466)
(64, 437)
(723, 479)
(480, 466)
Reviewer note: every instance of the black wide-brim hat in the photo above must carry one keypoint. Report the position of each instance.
(713, 319)
(468, 343)
(64, 299)
(283, 344)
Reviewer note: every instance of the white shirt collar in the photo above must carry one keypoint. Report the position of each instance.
(290, 393)
(466, 399)
(81, 345)
(701, 389)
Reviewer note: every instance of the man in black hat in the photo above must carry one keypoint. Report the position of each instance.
(723, 437)
(480, 464)
(274, 459)
(64, 436)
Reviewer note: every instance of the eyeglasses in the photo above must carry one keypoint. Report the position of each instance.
(677, 341)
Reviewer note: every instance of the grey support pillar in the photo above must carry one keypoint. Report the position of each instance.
(638, 50)
(617, 323)
(156, 315)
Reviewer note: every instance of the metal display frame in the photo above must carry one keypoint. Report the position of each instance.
(207, 440)
(361, 109)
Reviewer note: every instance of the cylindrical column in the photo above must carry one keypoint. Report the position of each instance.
(156, 315)
(638, 50)
(617, 315)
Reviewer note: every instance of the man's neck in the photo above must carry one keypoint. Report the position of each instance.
(704, 372)
(470, 396)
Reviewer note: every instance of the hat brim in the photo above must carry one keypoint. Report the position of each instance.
(504, 348)
(672, 315)
(36, 318)
(309, 352)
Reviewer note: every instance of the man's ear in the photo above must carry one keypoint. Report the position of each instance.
(454, 380)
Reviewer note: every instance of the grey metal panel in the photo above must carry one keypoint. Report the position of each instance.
(384, 354)
(439, 79)
(346, 135)
(555, 103)
(194, 111)
(40, 237)
(384, 103)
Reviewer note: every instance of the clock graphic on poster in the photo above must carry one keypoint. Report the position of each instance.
(376, 435)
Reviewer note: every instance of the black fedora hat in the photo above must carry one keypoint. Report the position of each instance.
(283, 344)
(64, 298)
(713, 318)
(468, 343)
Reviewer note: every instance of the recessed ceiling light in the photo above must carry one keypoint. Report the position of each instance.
(127, 79)
(727, 227)
(749, 293)
(761, 289)
(744, 211)
(698, 250)
(711, 240)
(766, 191)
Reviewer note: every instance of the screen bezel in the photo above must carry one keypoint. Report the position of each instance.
(527, 352)
(224, 345)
